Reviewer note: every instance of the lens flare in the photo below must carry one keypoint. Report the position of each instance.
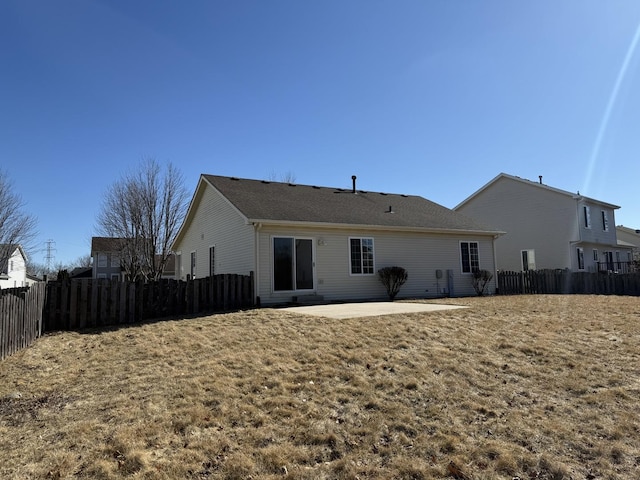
(607, 113)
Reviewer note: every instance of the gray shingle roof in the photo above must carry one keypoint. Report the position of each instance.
(106, 244)
(275, 201)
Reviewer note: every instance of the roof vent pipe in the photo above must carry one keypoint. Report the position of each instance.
(353, 178)
(540, 177)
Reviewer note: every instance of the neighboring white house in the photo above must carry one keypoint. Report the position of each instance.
(328, 243)
(13, 267)
(631, 236)
(547, 228)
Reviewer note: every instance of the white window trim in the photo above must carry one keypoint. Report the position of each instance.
(313, 264)
(193, 265)
(179, 266)
(100, 263)
(586, 210)
(530, 253)
(460, 256)
(580, 252)
(605, 221)
(373, 254)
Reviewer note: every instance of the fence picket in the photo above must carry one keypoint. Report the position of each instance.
(20, 317)
(74, 304)
(566, 282)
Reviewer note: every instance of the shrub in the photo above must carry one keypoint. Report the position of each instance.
(392, 278)
(480, 280)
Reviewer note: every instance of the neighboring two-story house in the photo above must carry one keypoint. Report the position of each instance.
(546, 227)
(105, 253)
(13, 267)
(106, 259)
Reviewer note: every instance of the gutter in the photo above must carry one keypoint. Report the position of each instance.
(393, 228)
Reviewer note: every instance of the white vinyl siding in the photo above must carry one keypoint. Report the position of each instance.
(420, 254)
(600, 231)
(551, 222)
(232, 236)
(17, 274)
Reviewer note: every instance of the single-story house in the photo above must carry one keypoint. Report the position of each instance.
(305, 241)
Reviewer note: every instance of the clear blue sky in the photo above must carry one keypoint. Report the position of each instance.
(428, 97)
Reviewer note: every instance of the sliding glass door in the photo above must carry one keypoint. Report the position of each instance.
(292, 263)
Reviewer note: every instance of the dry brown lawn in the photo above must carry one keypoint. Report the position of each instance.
(531, 387)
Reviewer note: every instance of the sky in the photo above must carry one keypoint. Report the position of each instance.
(423, 97)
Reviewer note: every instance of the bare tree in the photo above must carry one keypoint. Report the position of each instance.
(83, 261)
(288, 177)
(144, 210)
(16, 226)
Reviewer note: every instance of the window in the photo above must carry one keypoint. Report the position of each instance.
(292, 264)
(193, 264)
(11, 266)
(528, 260)
(469, 256)
(580, 252)
(178, 264)
(212, 261)
(102, 275)
(608, 259)
(605, 221)
(115, 260)
(115, 276)
(587, 217)
(595, 254)
(102, 260)
(361, 256)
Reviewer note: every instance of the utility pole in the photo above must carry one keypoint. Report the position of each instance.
(49, 256)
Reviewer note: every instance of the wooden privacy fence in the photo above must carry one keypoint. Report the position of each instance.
(20, 317)
(83, 303)
(567, 282)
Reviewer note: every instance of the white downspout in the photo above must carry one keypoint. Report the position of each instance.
(256, 281)
(495, 260)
